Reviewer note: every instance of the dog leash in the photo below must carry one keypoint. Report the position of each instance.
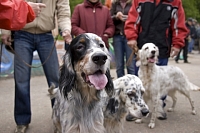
(134, 52)
(13, 51)
(1, 54)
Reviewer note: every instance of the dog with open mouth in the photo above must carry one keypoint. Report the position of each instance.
(84, 75)
(160, 81)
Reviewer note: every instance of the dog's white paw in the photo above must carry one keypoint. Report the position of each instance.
(138, 121)
(151, 125)
(170, 110)
(194, 112)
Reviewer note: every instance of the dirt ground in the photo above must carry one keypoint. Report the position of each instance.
(179, 121)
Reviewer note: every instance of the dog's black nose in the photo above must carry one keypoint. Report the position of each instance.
(153, 51)
(144, 111)
(99, 58)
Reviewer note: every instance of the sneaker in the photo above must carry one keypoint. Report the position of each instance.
(21, 128)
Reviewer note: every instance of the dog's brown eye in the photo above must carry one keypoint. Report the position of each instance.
(101, 45)
(142, 92)
(146, 48)
(80, 47)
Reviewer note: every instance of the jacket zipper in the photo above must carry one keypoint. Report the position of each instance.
(94, 18)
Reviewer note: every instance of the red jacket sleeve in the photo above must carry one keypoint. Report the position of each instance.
(132, 23)
(15, 14)
(179, 30)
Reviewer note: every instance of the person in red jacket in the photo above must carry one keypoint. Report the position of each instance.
(92, 17)
(161, 22)
(16, 13)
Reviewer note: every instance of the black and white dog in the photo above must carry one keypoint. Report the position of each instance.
(84, 75)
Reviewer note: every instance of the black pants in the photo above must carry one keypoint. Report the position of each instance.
(185, 52)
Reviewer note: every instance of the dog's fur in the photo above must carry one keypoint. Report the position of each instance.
(127, 98)
(84, 74)
(161, 80)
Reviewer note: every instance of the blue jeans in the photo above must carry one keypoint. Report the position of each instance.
(191, 45)
(25, 44)
(122, 49)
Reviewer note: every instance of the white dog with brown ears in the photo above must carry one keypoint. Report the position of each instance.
(161, 80)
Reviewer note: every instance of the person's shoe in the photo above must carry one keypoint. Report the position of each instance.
(21, 128)
(129, 117)
(187, 62)
(176, 61)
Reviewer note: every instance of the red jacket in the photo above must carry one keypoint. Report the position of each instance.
(14, 14)
(162, 24)
(88, 18)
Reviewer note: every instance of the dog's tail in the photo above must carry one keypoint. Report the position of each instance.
(52, 91)
(194, 87)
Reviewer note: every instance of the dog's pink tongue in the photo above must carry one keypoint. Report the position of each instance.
(98, 80)
(151, 60)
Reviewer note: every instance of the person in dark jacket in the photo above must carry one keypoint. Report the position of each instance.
(119, 12)
(185, 48)
(92, 16)
(161, 22)
(193, 35)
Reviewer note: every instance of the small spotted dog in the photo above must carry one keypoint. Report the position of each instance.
(161, 80)
(128, 98)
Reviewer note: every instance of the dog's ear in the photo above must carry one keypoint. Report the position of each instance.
(113, 105)
(138, 62)
(67, 74)
(109, 86)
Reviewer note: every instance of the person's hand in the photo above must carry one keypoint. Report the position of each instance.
(6, 39)
(67, 36)
(132, 44)
(37, 7)
(174, 52)
(121, 16)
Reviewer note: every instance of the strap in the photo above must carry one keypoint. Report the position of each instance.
(13, 51)
(1, 54)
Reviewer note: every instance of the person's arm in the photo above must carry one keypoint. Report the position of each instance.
(64, 22)
(179, 30)
(110, 28)
(131, 28)
(16, 13)
(76, 30)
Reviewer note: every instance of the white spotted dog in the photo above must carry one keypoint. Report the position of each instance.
(128, 98)
(161, 80)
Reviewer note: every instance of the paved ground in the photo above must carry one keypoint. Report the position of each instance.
(180, 121)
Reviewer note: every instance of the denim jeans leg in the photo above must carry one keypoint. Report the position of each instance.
(45, 45)
(190, 45)
(119, 54)
(24, 48)
(130, 67)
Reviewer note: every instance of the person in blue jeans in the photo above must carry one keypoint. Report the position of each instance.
(37, 36)
(119, 12)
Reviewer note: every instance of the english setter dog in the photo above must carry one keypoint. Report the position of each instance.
(161, 80)
(128, 98)
(84, 75)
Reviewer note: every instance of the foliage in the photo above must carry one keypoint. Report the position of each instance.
(192, 8)
(73, 3)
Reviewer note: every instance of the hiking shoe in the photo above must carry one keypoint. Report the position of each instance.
(21, 128)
